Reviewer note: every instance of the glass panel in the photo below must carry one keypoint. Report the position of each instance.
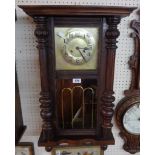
(77, 107)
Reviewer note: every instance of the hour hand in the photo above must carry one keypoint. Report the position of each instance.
(84, 48)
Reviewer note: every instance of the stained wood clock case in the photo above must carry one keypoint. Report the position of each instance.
(57, 130)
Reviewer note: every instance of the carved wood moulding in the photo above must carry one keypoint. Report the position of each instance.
(132, 95)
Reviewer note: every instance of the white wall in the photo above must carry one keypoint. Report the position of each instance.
(28, 66)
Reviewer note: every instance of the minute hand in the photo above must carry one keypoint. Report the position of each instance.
(77, 48)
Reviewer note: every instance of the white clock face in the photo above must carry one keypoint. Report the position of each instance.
(131, 120)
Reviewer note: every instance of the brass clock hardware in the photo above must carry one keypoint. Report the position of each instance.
(76, 42)
(89, 102)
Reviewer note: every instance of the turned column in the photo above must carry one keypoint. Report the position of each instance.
(42, 34)
(107, 96)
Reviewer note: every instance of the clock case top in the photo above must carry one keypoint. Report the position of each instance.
(106, 19)
(75, 10)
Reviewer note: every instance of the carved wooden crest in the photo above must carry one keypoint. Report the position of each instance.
(132, 95)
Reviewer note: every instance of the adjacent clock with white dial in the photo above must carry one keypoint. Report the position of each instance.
(131, 120)
(128, 121)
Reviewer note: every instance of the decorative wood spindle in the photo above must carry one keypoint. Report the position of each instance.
(107, 99)
(41, 33)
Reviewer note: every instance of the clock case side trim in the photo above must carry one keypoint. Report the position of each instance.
(46, 100)
(107, 98)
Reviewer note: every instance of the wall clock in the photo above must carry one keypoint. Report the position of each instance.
(128, 109)
(77, 46)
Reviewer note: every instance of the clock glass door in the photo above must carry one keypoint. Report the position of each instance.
(77, 103)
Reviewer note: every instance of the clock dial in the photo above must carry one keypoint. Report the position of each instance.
(131, 120)
(76, 48)
(128, 120)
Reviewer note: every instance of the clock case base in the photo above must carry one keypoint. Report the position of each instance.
(88, 140)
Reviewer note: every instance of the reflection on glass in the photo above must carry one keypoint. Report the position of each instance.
(77, 104)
